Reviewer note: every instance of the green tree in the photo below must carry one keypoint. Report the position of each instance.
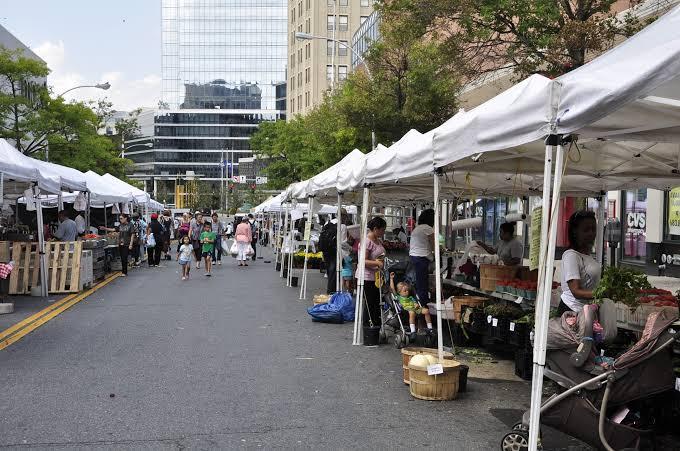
(22, 99)
(528, 36)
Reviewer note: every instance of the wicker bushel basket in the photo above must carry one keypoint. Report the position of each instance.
(489, 275)
(442, 387)
(407, 353)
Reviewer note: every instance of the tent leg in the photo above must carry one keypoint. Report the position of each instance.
(283, 241)
(358, 338)
(338, 249)
(599, 242)
(291, 225)
(41, 244)
(438, 267)
(303, 285)
(549, 234)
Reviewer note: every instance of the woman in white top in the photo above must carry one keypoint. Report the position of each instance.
(580, 271)
(420, 250)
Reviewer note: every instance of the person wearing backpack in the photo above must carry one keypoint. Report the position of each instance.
(156, 229)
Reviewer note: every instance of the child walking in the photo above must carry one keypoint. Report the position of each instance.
(208, 238)
(410, 304)
(184, 254)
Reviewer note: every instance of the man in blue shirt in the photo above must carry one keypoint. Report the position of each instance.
(68, 230)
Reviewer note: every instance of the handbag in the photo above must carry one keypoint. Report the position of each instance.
(150, 240)
(234, 249)
(225, 246)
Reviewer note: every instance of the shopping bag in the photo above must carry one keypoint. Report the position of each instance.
(234, 249)
(225, 246)
(250, 251)
(150, 240)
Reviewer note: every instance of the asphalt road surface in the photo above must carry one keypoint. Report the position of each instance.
(231, 361)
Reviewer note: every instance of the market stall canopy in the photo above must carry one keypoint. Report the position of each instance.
(17, 166)
(102, 192)
(70, 179)
(137, 194)
(297, 190)
(325, 184)
(624, 106)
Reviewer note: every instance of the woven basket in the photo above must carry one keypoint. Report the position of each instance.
(442, 387)
(407, 353)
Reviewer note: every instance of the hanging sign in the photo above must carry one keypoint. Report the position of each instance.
(674, 211)
(308, 230)
(535, 243)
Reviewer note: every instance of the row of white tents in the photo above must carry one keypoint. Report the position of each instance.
(49, 184)
(612, 124)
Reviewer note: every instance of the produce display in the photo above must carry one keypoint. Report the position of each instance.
(658, 298)
(518, 287)
(621, 285)
(394, 245)
(503, 310)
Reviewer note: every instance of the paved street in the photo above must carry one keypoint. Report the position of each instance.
(232, 361)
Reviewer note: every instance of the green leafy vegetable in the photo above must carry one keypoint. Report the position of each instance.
(621, 285)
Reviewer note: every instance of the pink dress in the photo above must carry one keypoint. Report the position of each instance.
(243, 233)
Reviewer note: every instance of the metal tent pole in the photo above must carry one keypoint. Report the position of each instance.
(338, 246)
(438, 266)
(303, 285)
(41, 242)
(599, 242)
(358, 338)
(548, 238)
(291, 224)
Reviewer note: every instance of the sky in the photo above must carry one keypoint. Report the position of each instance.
(94, 41)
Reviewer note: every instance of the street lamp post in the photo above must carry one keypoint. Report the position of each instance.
(309, 37)
(103, 86)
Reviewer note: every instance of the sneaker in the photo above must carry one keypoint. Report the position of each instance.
(219, 263)
(184, 278)
(208, 274)
(412, 336)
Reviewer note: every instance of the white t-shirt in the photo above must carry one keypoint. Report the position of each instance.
(508, 250)
(185, 251)
(420, 241)
(577, 266)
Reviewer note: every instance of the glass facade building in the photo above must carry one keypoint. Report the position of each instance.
(223, 73)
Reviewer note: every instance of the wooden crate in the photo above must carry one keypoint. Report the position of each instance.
(489, 275)
(64, 266)
(26, 270)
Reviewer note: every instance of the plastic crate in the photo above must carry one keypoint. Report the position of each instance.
(523, 363)
(519, 334)
(499, 329)
(477, 323)
(637, 318)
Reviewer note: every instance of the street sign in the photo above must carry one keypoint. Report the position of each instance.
(261, 180)
(239, 179)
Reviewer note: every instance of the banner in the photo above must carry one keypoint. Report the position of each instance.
(535, 243)
(674, 211)
(308, 230)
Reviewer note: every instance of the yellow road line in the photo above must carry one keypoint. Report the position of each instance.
(19, 330)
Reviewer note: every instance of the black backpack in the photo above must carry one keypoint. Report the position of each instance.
(327, 239)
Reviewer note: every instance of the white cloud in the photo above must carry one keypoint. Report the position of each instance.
(126, 92)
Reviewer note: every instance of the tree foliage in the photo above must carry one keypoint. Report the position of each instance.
(528, 36)
(39, 125)
(408, 86)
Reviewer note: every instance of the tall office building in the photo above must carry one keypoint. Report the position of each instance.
(223, 72)
(314, 66)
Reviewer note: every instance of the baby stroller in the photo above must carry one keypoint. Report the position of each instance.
(592, 392)
(393, 314)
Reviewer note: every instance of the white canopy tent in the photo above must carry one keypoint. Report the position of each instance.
(625, 109)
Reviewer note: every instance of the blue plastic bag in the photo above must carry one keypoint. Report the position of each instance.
(344, 303)
(340, 308)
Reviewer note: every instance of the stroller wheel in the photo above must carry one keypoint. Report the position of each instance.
(518, 427)
(398, 341)
(515, 441)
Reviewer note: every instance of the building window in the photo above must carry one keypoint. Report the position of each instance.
(329, 47)
(309, 5)
(300, 80)
(300, 9)
(307, 78)
(344, 23)
(308, 26)
(308, 51)
(329, 73)
(364, 3)
(330, 22)
(363, 19)
(343, 3)
(292, 19)
(342, 48)
(635, 224)
(306, 99)
(300, 56)
(342, 73)
(300, 102)
(292, 104)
